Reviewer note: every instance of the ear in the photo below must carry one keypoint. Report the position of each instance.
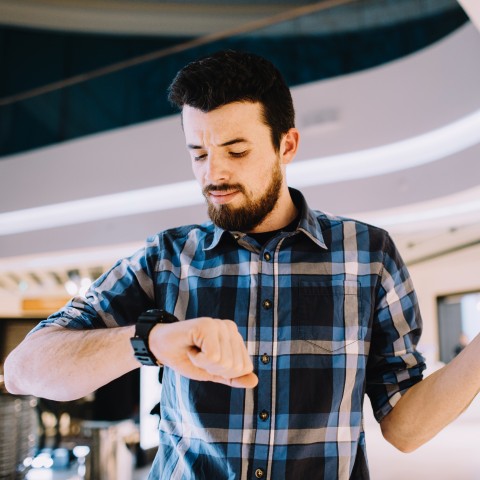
(289, 145)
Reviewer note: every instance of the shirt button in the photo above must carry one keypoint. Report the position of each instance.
(259, 473)
(264, 415)
(267, 256)
(265, 359)
(267, 304)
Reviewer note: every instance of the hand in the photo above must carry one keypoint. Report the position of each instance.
(205, 349)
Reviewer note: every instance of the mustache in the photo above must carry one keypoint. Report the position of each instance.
(224, 187)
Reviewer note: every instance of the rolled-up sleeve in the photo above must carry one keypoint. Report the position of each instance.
(394, 364)
(115, 299)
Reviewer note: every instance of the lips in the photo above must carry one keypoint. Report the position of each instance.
(220, 197)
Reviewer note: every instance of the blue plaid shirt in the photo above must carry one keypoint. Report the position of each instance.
(328, 313)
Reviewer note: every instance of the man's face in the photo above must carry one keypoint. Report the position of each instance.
(235, 163)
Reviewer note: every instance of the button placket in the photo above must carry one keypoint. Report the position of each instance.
(266, 318)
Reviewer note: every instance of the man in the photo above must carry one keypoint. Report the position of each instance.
(287, 315)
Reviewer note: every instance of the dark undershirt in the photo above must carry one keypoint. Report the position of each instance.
(263, 237)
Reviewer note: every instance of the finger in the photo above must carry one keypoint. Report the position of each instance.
(236, 357)
(221, 350)
(250, 380)
(246, 360)
(236, 353)
(226, 329)
(215, 354)
(208, 343)
(245, 381)
(206, 361)
(234, 360)
(194, 373)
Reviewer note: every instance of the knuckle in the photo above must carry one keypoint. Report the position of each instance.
(213, 356)
(231, 325)
(208, 322)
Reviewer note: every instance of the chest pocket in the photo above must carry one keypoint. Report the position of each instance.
(330, 316)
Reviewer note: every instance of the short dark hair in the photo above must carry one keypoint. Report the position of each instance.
(229, 76)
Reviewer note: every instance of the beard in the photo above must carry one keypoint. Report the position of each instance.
(246, 217)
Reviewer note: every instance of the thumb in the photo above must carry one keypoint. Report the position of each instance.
(246, 381)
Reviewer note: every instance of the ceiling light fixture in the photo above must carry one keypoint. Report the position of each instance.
(419, 150)
(413, 152)
(396, 219)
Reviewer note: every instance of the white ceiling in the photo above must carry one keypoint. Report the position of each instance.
(425, 105)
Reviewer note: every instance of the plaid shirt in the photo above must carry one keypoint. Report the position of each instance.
(328, 312)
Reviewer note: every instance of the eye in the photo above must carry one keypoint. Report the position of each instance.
(238, 154)
(197, 158)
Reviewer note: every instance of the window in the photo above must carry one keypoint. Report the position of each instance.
(458, 322)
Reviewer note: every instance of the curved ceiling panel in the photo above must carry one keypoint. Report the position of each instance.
(433, 89)
(204, 17)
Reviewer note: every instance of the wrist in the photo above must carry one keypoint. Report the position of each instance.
(143, 328)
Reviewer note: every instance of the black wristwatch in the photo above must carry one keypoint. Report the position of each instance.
(146, 321)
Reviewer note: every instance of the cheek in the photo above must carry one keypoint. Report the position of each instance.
(261, 177)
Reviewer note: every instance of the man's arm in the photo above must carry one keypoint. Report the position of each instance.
(63, 364)
(430, 405)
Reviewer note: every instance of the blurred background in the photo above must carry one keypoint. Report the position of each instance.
(92, 161)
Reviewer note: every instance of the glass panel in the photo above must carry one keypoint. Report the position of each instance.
(458, 322)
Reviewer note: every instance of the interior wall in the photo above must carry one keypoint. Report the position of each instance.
(10, 304)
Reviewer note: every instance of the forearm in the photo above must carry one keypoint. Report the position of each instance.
(434, 402)
(63, 364)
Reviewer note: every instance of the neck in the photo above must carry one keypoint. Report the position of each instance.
(283, 213)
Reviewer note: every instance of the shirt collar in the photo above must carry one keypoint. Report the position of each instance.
(308, 224)
(217, 236)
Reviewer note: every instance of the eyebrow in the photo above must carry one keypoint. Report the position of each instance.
(225, 144)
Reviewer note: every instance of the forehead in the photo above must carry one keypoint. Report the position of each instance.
(238, 119)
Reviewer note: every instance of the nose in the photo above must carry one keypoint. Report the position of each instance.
(216, 169)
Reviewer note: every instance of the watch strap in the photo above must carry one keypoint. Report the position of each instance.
(145, 323)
